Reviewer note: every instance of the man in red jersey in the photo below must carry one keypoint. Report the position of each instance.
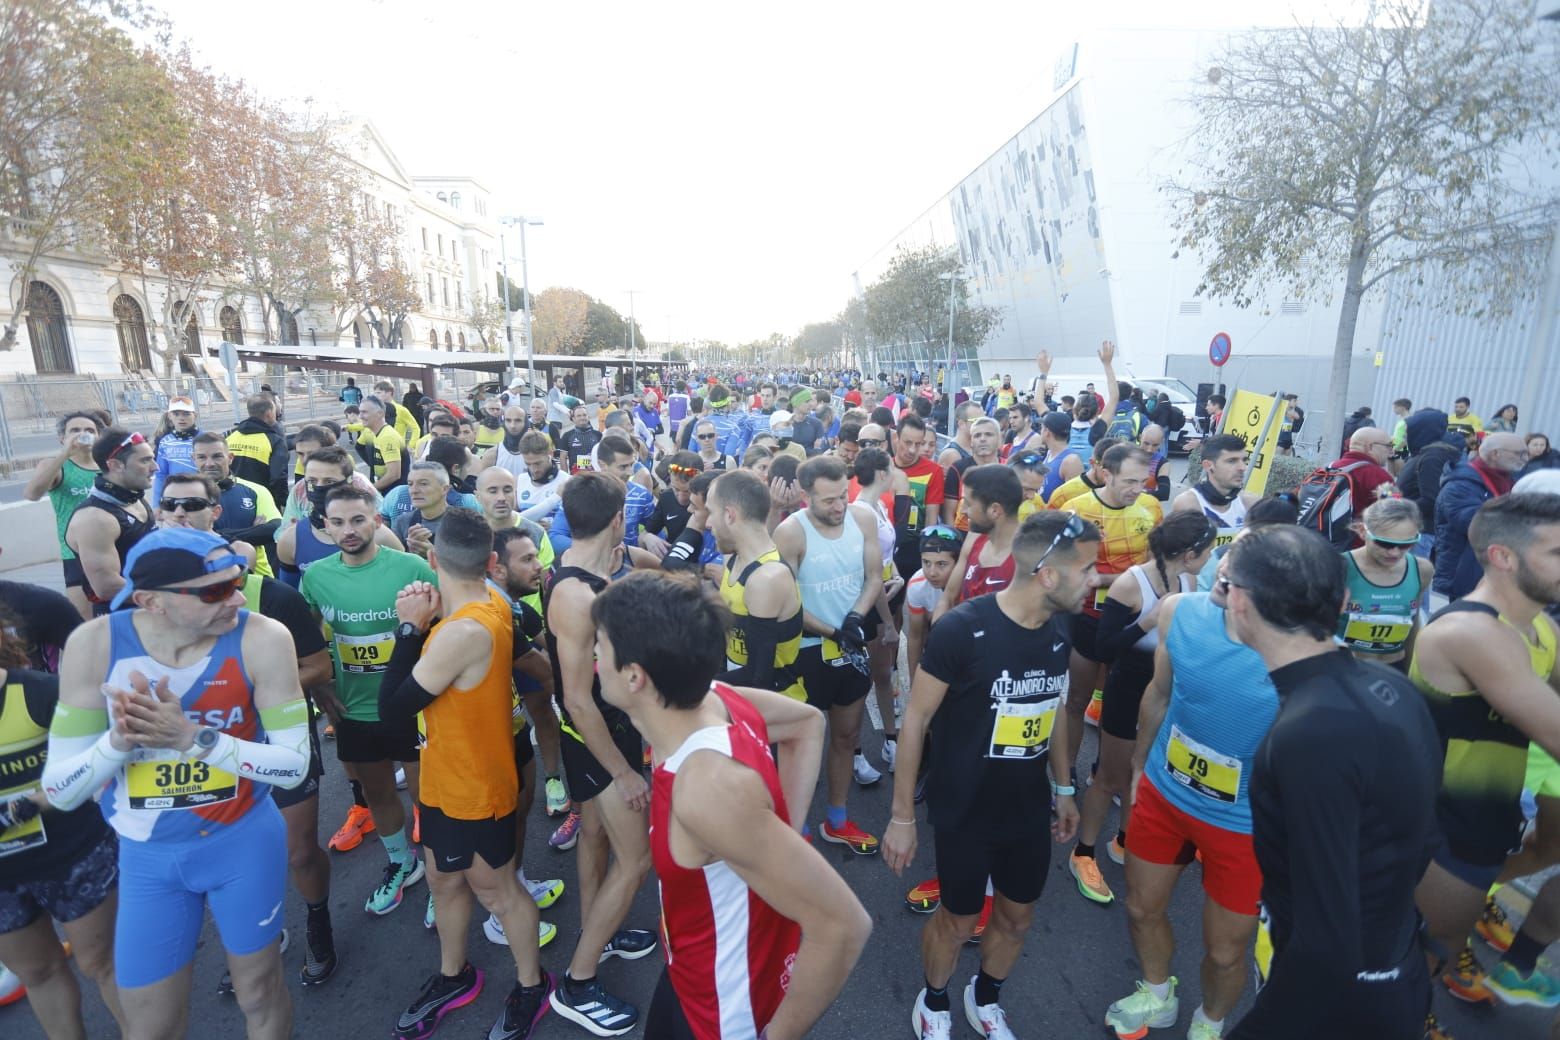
(732, 865)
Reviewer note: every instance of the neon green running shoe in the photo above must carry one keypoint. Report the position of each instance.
(1132, 1017)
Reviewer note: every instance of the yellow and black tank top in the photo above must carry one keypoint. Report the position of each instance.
(44, 846)
(787, 634)
(1485, 757)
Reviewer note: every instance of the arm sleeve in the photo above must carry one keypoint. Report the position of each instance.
(281, 760)
(683, 553)
(401, 696)
(81, 759)
(1320, 795)
(763, 635)
(1118, 629)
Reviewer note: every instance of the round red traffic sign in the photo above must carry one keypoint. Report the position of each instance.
(1219, 349)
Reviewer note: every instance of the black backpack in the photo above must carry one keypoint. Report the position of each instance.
(1175, 419)
(1326, 502)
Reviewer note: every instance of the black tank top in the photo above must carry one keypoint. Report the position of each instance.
(558, 573)
(131, 528)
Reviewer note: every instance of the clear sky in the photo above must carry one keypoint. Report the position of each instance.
(733, 163)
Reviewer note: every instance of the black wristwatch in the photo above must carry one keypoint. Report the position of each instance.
(407, 630)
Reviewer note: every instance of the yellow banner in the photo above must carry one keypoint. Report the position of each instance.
(1245, 416)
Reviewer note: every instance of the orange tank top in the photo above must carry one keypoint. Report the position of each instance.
(468, 767)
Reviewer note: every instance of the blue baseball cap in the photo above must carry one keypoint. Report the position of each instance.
(170, 556)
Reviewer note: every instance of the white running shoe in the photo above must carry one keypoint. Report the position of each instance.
(890, 752)
(866, 776)
(930, 1025)
(493, 928)
(11, 989)
(989, 1020)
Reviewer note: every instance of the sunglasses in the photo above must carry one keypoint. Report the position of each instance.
(217, 593)
(1072, 531)
(189, 505)
(869, 443)
(1388, 543)
(683, 471)
(706, 436)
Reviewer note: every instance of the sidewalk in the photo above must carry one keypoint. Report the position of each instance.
(48, 575)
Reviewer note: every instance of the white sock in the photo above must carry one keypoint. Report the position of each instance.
(524, 881)
(1202, 1016)
(989, 890)
(1160, 990)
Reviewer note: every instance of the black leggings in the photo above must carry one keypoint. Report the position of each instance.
(666, 1020)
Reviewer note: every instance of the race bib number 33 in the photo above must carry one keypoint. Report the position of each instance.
(1022, 731)
(1202, 768)
(175, 784)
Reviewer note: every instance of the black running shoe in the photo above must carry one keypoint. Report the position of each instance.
(593, 1008)
(523, 1009)
(319, 953)
(629, 944)
(439, 996)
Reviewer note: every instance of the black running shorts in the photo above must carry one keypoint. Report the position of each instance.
(376, 741)
(287, 797)
(1124, 686)
(830, 684)
(1016, 863)
(587, 777)
(455, 844)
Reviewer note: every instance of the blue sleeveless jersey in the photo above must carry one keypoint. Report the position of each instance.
(1221, 706)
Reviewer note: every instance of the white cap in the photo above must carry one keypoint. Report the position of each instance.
(516, 381)
(780, 418)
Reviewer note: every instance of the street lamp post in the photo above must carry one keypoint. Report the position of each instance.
(633, 380)
(525, 311)
(952, 278)
(509, 329)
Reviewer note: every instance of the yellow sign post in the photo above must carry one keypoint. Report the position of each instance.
(1254, 419)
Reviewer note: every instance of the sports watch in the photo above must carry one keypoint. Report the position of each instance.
(407, 630)
(205, 739)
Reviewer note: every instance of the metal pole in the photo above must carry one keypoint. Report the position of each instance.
(948, 373)
(509, 330)
(525, 286)
(1258, 460)
(1543, 335)
(633, 381)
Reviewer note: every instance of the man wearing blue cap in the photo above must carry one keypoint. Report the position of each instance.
(160, 712)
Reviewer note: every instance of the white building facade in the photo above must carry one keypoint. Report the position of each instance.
(88, 316)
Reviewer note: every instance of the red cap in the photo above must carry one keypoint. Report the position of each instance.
(853, 397)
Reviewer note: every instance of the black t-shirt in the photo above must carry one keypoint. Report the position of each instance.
(44, 618)
(1343, 792)
(669, 514)
(577, 444)
(286, 604)
(46, 845)
(992, 731)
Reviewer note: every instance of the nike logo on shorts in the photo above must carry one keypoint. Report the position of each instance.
(272, 916)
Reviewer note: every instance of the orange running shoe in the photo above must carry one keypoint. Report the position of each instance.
(358, 823)
(1465, 979)
(1494, 928)
(1091, 714)
(925, 897)
(856, 839)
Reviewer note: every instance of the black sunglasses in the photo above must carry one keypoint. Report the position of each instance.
(706, 436)
(870, 442)
(189, 505)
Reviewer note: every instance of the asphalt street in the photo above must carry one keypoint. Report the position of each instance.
(1076, 961)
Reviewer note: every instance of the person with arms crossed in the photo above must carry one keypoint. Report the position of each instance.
(1342, 802)
(165, 712)
(113, 518)
(832, 548)
(989, 690)
(761, 933)
(455, 671)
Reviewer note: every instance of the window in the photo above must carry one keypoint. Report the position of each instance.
(460, 339)
(454, 250)
(449, 344)
(46, 329)
(441, 245)
(289, 331)
(446, 282)
(425, 238)
(433, 338)
(431, 298)
(455, 199)
(459, 300)
(232, 325)
(130, 322)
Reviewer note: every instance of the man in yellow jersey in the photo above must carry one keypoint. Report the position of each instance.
(259, 449)
(1488, 669)
(1125, 516)
(760, 590)
(381, 446)
(399, 416)
(1091, 479)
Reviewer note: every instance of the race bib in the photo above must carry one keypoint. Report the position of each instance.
(29, 834)
(832, 651)
(175, 784)
(1022, 730)
(1201, 768)
(1100, 595)
(1262, 952)
(365, 654)
(1377, 632)
(1224, 537)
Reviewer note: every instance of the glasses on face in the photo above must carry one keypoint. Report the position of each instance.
(868, 442)
(189, 505)
(706, 436)
(217, 593)
(1071, 532)
(1388, 543)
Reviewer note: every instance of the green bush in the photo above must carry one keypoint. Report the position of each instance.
(1286, 474)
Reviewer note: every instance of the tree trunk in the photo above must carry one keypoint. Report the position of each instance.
(1343, 346)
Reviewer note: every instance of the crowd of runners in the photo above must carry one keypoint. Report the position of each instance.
(658, 622)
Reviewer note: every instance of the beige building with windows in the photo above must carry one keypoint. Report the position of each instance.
(86, 315)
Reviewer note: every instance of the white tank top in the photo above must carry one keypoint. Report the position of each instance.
(1150, 640)
(1231, 518)
(514, 462)
(527, 491)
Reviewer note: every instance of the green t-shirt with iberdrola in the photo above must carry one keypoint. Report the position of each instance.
(358, 606)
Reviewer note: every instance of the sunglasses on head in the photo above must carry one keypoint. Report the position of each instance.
(130, 440)
(209, 593)
(1071, 532)
(683, 471)
(189, 505)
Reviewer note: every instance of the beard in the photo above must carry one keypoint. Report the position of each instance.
(1534, 589)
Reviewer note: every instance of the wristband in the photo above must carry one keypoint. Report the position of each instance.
(902, 823)
(1064, 789)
